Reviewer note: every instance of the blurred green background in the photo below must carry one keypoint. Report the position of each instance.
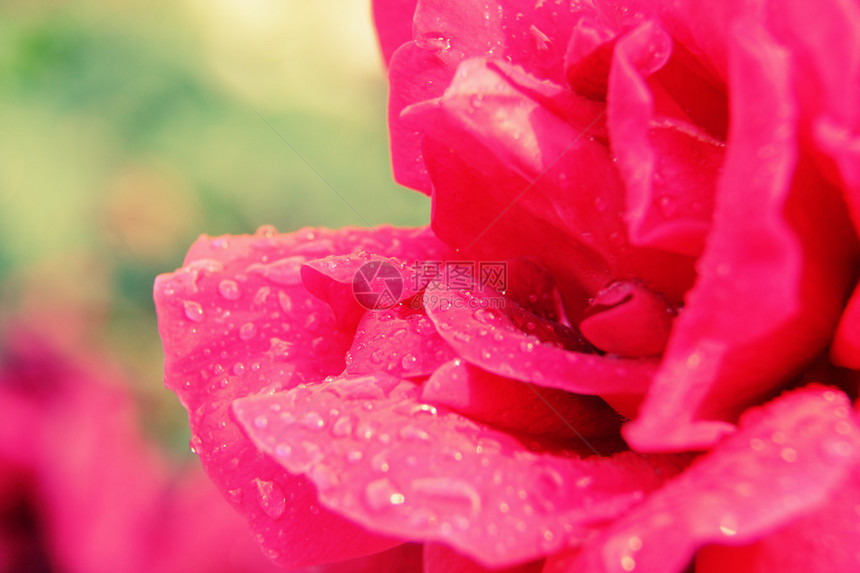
(129, 127)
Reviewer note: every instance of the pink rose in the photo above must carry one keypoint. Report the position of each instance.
(81, 491)
(672, 188)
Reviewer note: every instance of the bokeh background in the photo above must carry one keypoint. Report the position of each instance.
(129, 127)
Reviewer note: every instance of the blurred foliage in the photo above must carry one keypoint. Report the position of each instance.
(127, 128)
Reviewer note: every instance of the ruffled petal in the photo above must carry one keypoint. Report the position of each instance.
(501, 337)
(234, 320)
(504, 166)
(383, 458)
(776, 268)
(627, 318)
(518, 406)
(393, 22)
(669, 167)
(439, 558)
(445, 34)
(821, 542)
(786, 460)
(401, 342)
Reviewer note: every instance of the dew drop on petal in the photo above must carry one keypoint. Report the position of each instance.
(728, 526)
(271, 498)
(381, 494)
(193, 311)
(313, 421)
(229, 290)
(409, 362)
(285, 301)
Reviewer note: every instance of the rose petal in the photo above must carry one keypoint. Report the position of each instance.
(444, 35)
(821, 542)
(669, 168)
(589, 53)
(785, 460)
(518, 406)
(237, 319)
(501, 337)
(401, 343)
(628, 319)
(776, 266)
(441, 559)
(393, 23)
(505, 166)
(845, 350)
(401, 467)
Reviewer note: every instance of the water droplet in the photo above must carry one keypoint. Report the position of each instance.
(380, 462)
(628, 563)
(342, 427)
(409, 362)
(423, 409)
(365, 430)
(667, 205)
(261, 295)
(433, 41)
(229, 289)
(789, 455)
(447, 491)
(313, 421)
(261, 421)
(728, 526)
(286, 271)
(238, 369)
(267, 231)
(410, 432)
(285, 301)
(204, 265)
(193, 311)
(381, 494)
(271, 498)
(485, 316)
(247, 331)
(280, 349)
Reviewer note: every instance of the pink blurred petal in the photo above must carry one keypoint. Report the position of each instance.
(787, 458)
(400, 467)
(501, 337)
(402, 343)
(628, 319)
(518, 406)
(235, 320)
(777, 262)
